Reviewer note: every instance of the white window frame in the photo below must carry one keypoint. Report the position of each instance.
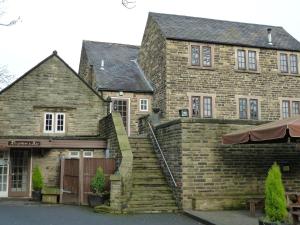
(77, 156)
(88, 156)
(53, 123)
(147, 105)
(64, 122)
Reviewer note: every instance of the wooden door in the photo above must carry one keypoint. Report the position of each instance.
(121, 106)
(70, 181)
(19, 173)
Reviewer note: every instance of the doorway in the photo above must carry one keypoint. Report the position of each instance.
(122, 106)
(19, 173)
(4, 168)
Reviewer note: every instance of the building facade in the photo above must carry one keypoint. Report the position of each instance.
(48, 113)
(112, 70)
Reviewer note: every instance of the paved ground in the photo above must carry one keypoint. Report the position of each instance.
(234, 217)
(18, 213)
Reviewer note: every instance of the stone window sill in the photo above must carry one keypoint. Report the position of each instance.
(247, 71)
(201, 68)
(289, 74)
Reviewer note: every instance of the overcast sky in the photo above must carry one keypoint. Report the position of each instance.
(61, 25)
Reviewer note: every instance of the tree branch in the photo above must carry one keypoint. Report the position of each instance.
(129, 4)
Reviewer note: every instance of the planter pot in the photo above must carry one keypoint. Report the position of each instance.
(261, 222)
(96, 199)
(36, 196)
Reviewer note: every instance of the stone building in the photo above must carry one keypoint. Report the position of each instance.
(47, 113)
(224, 76)
(112, 70)
(197, 78)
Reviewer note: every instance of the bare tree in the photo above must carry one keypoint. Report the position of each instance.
(5, 77)
(129, 4)
(10, 23)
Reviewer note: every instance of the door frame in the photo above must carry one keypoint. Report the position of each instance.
(29, 171)
(128, 110)
(5, 194)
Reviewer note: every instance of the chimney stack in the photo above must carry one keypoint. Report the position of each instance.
(270, 36)
(102, 65)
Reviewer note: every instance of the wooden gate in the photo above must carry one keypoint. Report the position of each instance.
(76, 175)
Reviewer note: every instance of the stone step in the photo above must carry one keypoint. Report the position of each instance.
(151, 209)
(147, 181)
(151, 196)
(145, 160)
(156, 203)
(147, 175)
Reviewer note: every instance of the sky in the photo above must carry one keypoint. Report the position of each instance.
(48, 25)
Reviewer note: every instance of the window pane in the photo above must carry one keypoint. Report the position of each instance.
(195, 55)
(48, 122)
(253, 109)
(243, 108)
(206, 56)
(241, 59)
(207, 107)
(283, 63)
(285, 109)
(294, 63)
(60, 122)
(143, 104)
(252, 60)
(295, 108)
(195, 106)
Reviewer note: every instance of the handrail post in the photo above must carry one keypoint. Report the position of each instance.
(162, 154)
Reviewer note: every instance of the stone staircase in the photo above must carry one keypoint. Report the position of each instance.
(150, 191)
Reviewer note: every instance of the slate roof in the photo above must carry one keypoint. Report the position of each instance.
(121, 70)
(223, 32)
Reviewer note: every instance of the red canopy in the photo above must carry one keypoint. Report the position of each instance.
(271, 131)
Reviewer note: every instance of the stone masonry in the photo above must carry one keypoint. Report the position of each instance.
(166, 64)
(216, 176)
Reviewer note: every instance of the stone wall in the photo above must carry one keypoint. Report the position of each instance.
(50, 87)
(216, 176)
(170, 140)
(121, 183)
(152, 59)
(226, 82)
(167, 66)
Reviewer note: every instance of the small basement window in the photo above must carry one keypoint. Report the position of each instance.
(88, 154)
(74, 154)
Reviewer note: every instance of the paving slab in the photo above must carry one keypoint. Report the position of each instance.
(231, 217)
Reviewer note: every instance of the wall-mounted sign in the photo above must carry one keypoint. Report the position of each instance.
(24, 143)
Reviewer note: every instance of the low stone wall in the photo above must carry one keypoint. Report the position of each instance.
(217, 176)
(112, 128)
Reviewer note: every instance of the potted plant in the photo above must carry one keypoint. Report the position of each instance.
(37, 184)
(275, 201)
(99, 196)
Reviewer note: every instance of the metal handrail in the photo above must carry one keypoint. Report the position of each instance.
(162, 154)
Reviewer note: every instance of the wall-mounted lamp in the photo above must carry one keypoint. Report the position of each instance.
(121, 93)
(183, 112)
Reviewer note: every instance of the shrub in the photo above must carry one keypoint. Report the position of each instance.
(37, 179)
(275, 202)
(98, 181)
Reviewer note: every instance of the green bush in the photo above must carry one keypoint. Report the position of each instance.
(275, 201)
(37, 179)
(98, 181)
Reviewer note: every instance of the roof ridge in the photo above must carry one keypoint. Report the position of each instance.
(219, 20)
(110, 43)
